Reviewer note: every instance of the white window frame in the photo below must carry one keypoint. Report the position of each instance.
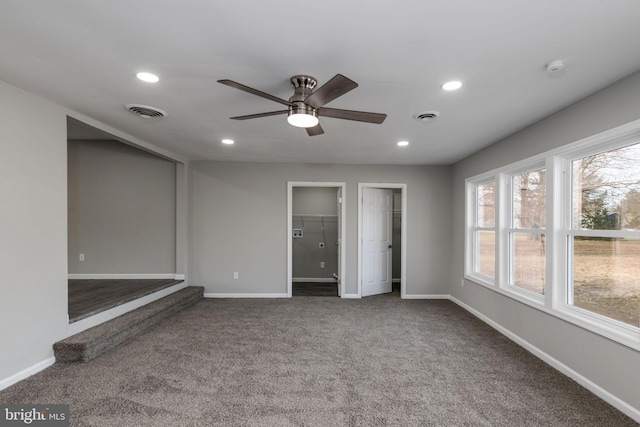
(564, 303)
(471, 264)
(508, 266)
(558, 232)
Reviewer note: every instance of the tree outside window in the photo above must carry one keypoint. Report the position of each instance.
(605, 245)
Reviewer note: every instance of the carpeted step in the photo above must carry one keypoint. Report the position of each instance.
(91, 343)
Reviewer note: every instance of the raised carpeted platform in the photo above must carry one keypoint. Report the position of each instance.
(91, 343)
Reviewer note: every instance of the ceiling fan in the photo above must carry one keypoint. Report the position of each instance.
(306, 105)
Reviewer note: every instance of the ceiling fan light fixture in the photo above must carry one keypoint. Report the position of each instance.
(305, 105)
(302, 116)
(302, 120)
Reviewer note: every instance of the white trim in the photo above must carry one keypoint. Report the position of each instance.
(351, 296)
(605, 395)
(127, 276)
(426, 296)
(314, 280)
(105, 316)
(26, 373)
(403, 232)
(220, 295)
(343, 230)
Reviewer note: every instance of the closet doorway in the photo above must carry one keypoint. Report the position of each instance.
(382, 238)
(315, 224)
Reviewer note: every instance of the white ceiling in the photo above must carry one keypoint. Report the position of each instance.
(84, 55)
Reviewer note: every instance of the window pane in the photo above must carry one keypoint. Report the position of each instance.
(528, 255)
(606, 277)
(606, 190)
(529, 199)
(486, 199)
(486, 260)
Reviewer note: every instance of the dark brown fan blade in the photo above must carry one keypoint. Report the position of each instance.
(359, 116)
(337, 86)
(316, 130)
(257, 116)
(253, 91)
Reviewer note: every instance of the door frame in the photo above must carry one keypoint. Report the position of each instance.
(403, 232)
(341, 243)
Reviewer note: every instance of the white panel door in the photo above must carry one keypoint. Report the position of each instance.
(377, 223)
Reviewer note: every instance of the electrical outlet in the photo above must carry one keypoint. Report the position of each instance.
(81, 257)
(321, 264)
(235, 275)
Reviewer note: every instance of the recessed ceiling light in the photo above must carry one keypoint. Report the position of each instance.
(452, 85)
(227, 141)
(403, 143)
(148, 77)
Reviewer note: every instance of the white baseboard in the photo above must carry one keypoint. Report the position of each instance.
(614, 401)
(217, 295)
(314, 280)
(25, 373)
(423, 296)
(127, 276)
(350, 296)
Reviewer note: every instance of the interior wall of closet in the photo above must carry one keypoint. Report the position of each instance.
(315, 234)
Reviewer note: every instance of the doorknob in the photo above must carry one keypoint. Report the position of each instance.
(390, 246)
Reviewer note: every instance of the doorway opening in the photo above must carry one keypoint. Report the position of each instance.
(316, 256)
(382, 231)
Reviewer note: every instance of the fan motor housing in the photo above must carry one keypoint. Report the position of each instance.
(303, 87)
(302, 108)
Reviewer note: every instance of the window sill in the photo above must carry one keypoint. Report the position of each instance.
(626, 335)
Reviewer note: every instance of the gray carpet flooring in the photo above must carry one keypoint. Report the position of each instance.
(313, 361)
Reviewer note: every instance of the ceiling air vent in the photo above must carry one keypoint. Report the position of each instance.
(426, 116)
(145, 111)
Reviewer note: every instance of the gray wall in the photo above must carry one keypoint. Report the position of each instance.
(33, 220)
(122, 210)
(608, 364)
(239, 223)
(307, 203)
(315, 200)
(33, 246)
(230, 199)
